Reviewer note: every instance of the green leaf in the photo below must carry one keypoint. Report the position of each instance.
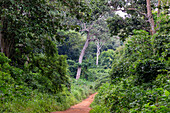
(147, 105)
(12, 1)
(166, 93)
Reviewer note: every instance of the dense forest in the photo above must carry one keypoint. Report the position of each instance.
(55, 53)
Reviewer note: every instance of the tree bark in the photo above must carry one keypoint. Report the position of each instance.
(0, 41)
(82, 55)
(158, 14)
(99, 44)
(150, 17)
(6, 44)
(98, 53)
(159, 4)
(1, 37)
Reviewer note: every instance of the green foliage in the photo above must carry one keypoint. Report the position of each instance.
(125, 97)
(44, 89)
(140, 57)
(72, 68)
(24, 27)
(47, 73)
(45, 102)
(11, 81)
(124, 27)
(71, 44)
(43, 76)
(35, 79)
(106, 58)
(139, 77)
(99, 75)
(147, 70)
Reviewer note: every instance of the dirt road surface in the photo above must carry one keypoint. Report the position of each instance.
(82, 107)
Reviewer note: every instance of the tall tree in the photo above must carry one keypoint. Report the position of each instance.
(99, 44)
(88, 39)
(97, 11)
(101, 33)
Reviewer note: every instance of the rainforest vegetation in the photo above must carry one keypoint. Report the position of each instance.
(55, 53)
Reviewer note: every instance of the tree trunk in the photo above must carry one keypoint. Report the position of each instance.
(81, 55)
(0, 41)
(6, 45)
(149, 14)
(158, 14)
(97, 59)
(98, 53)
(159, 4)
(1, 38)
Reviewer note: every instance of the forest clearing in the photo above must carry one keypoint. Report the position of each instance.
(55, 54)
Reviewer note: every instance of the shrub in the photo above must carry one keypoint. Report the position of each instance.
(139, 77)
(47, 73)
(147, 70)
(125, 97)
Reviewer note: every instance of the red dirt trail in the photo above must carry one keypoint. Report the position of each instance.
(82, 107)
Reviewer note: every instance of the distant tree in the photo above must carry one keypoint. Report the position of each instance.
(97, 12)
(102, 35)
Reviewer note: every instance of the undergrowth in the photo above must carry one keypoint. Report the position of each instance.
(125, 97)
(139, 78)
(38, 102)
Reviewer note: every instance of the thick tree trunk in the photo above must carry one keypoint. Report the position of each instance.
(149, 14)
(6, 45)
(82, 55)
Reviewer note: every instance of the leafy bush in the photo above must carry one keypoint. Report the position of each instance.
(147, 70)
(139, 77)
(38, 102)
(11, 85)
(138, 57)
(72, 68)
(106, 58)
(47, 73)
(42, 86)
(99, 75)
(127, 98)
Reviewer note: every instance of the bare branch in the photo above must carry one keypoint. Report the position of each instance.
(84, 28)
(67, 4)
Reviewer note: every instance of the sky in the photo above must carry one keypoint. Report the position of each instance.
(120, 13)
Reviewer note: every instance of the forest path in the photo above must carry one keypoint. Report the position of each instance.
(82, 107)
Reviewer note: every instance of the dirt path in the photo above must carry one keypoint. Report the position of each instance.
(82, 107)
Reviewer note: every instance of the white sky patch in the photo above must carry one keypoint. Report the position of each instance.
(122, 14)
